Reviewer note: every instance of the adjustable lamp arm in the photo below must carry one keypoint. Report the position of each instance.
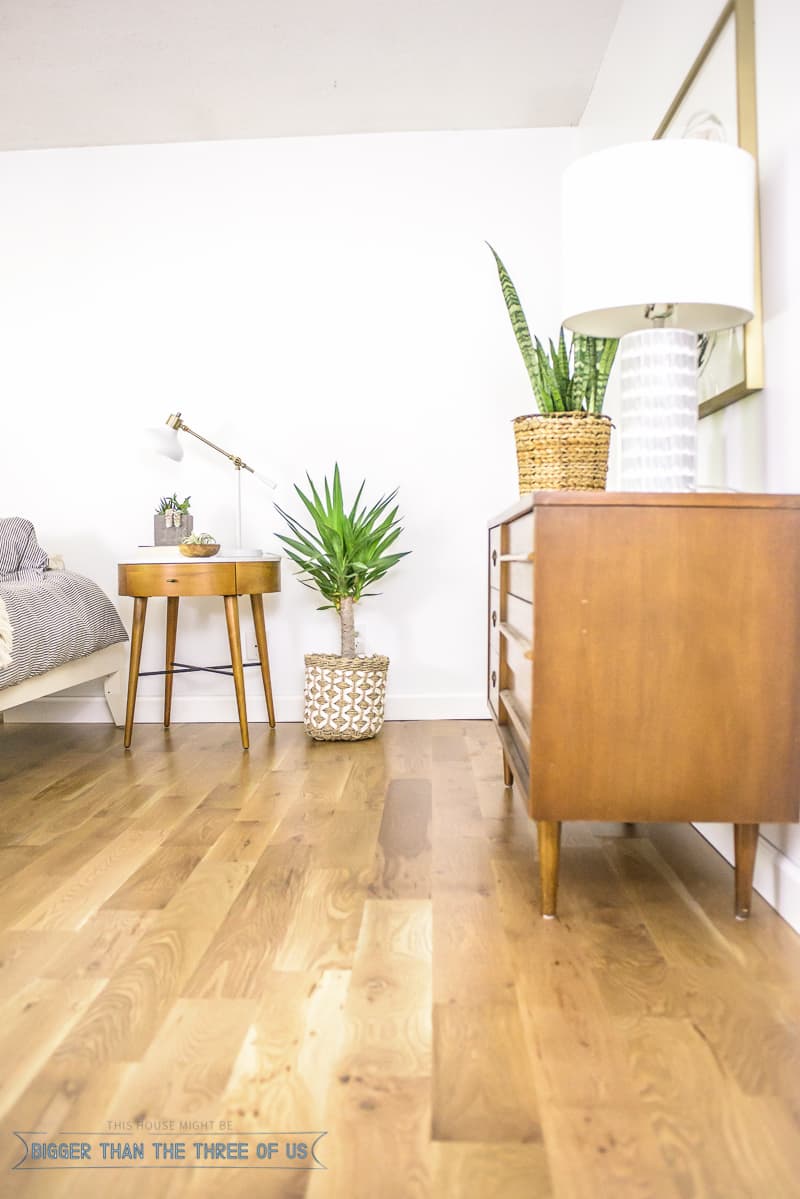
(174, 421)
(178, 426)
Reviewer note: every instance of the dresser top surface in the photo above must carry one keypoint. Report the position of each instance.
(643, 499)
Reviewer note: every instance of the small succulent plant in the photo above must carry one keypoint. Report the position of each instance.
(168, 502)
(199, 539)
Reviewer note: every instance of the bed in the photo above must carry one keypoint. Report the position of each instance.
(57, 628)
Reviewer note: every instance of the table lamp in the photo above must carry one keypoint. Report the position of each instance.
(167, 442)
(658, 246)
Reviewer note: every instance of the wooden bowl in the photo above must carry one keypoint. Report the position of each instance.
(199, 551)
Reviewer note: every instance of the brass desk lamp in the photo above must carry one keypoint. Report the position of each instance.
(169, 445)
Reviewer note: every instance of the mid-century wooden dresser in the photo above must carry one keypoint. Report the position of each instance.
(644, 659)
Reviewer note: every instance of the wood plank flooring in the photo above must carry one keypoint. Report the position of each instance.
(346, 937)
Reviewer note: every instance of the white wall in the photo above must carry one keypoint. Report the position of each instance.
(752, 445)
(299, 301)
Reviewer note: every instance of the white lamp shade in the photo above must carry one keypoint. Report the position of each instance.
(164, 441)
(670, 221)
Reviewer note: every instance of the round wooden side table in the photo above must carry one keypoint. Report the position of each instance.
(226, 577)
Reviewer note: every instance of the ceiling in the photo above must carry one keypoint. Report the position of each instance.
(110, 72)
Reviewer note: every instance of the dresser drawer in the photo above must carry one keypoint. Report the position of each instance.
(519, 580)
(516, 676)
(518, 618)
(520, 534)
(519, 545)
(494, 621)
(513, 721)
(494, 556)
(509, 541)
(494, 683)
(177, 578)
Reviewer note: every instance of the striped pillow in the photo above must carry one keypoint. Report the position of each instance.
(21, 557)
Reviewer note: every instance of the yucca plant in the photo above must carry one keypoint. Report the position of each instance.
(564, 379)
(346, 551)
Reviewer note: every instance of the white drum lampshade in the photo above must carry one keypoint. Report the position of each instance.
(658, 236)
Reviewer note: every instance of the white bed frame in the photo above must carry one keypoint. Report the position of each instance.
(109, 664)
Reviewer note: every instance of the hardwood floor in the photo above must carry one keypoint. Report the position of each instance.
(345, 938)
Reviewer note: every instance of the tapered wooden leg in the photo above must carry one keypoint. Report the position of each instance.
(257, 604)
(745, 842)
(549, 837)
(508, 774)
(137, 636)
(172, 636)
(234, 637)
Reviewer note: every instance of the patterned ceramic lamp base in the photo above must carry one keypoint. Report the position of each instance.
(658, 433)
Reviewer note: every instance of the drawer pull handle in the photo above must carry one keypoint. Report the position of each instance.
(494, 557)
(172, 580)
(494, 678)
(494, 620)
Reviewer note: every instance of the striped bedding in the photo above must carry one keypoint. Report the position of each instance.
(47, 617)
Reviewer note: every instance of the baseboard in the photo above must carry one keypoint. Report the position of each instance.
(219, 709)
(777, 878)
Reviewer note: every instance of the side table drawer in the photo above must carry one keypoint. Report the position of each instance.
(257, 577)
(177, 578)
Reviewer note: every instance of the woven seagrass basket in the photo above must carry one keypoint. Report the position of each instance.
(344, 697)
(564, 450)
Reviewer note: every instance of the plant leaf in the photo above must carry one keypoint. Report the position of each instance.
(607, 353)
(522, 333)
(345, 548)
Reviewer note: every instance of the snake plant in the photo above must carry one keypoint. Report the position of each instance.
(346, 552)
(563, 380)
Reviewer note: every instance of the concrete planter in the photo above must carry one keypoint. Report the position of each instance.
(172, 533)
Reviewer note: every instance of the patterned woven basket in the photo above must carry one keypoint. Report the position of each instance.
(344, 697)
(565, 450)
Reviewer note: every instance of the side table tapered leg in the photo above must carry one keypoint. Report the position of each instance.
(172, 636)
(234, 637)
(745, 843)
(549, 838)
(137, 636)
(508, 774)
(257, 604)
